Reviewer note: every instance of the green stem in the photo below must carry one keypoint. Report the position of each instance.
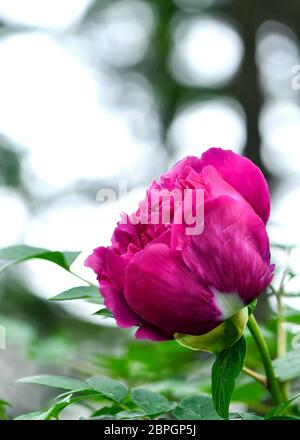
(273, 384)
(281, 337)
(281, 333)
(82, 279)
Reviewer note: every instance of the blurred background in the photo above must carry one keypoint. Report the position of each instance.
(93, 92)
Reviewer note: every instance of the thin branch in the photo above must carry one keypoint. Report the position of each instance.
(259, 377)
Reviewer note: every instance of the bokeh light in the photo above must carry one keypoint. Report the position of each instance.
(207, 51)
(214, 123)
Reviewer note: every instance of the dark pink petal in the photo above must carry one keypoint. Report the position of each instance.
(105, 262)
(116, 303)
(164, 292)
(232, 253)
(153, 333)
(243, 175)
(95, 260)
(216, 186)
(124, 235)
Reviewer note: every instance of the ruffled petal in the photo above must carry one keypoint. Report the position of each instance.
(94, 261)
(243, 175)
(168, 180)
(124, 235)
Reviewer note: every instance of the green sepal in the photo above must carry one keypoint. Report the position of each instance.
(218, 339)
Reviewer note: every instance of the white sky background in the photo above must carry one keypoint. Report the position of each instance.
(56, 108)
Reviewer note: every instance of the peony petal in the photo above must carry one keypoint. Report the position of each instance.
(164, 292)
(216, 186)
(232, 253)
(168, 180)
(116, 303)
(106, 262)
(243, 175)
(95, 260)
(124, 235)
(153, 333)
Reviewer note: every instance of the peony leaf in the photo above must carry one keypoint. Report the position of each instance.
(151, 403)
(220, 338)
(225, 370)
(17, 254)
(249, 416)
(54, 410)
(196, 408)
(66, 383)
(3, 405)
(36, 415)
(80, 292)
(281, 409)
(130, 415)
(108, 387)
(287, 367)
(106, 313)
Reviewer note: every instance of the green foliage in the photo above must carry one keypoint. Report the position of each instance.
(21, 253)
(54, 411)
(3, 407)
(140, 362)
(108, 387)
(151, 403)
(138, 404)
(139, 380)
(104, 312)
(81, 292)
(225, 370)
(249, 416)
(281, 409)
(110, 399)
(35, 415)
(141, 403)
(65, 383)
(288, 367)
(248, 391)
(196, 408)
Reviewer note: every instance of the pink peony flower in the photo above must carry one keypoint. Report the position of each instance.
(163, 280)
